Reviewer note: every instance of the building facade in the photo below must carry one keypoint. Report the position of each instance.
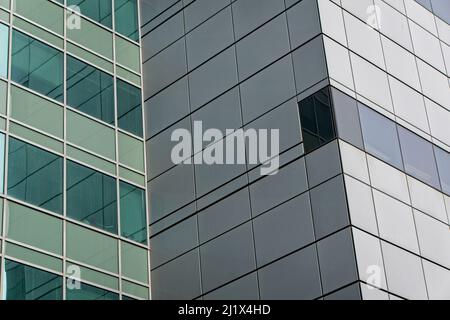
(359, 90)
(72, 178)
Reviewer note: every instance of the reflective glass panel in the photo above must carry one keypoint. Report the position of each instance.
(27, 283)
(90, 90)
(87, 292)
(98, 10)
(126, 15)
(91, 197)
(4, 36)
(380, 136)
(129, 108)
(37, 66)
(133, 220)
(35, 176)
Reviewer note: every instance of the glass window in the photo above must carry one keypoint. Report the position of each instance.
(90, 90)
(317, 120)
(443, 163)
(92, 36)
(418, 157)
(131, 152)
(37, 112)
(35, 176)
(22, 282)
(37, 66)
(87, 292)
(91, 135)
(45, 13)
(129, 108)
(2, 162)
(134, 262)
(98, 10)
(92, 248)
(34, 228)
(4, 36)
(126, 14)
(91, 197)
(133, 220)
(380, 137)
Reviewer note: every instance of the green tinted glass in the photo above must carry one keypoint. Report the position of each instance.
(37, 66)
(37, 112)
(133, 220)
(129, 108)
(87, 292)
(34, 228)
(91, 135)
(90, 90)
(134, 262)
(27, 283)
(35, 176)
(92, 36)
(4, 36)
(98, 10)
(131, 152)
(127, 54)
(2, 162)
(91, 197)
(3, 96)
(126, 15)
(43, 12)
(92, 248)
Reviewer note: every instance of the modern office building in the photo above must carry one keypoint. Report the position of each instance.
(359, 90)
(73, 205)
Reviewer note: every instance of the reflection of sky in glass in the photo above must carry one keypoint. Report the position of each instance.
(4, 35)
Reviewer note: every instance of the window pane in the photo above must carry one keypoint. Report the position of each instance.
(380, 136)
(37, 66)
(127, 18)
(92, 248)
(91, 135)
(91, 197)
(90, 90)
(27, 283)
(134, 262)
(131, 152)
(443, 163)
(133, 220)
(317, 120)
(34, 228)
(129, 108)
(2, 162)
(98, 10)
(35, 176)
(4, 36)
(418, 157)
(87, 292)
(43, 12)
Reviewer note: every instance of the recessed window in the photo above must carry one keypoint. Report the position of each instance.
(91, 197)
(90, 90)
(98, 10)
(129, 108)
(35, 176)
(418, 157)
(380, 137)
(133, 220)
(126, 15)
(317, 120)
(22, 282)
(37, 66)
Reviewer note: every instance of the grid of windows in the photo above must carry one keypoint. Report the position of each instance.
(227, 232)
(72, 164)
